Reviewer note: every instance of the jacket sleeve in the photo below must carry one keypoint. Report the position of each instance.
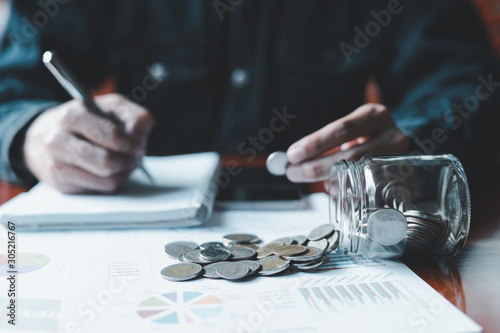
(442, 83)
(26, 87)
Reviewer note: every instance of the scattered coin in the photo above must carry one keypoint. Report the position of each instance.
(212, 245)
(253, 266)
(194, 256)
(310, 254)
(311, 265)
(300, 239)
(267, 250)
(387, 226)
(242, 253)
(174, 249)
(214, 254)
(276, 163)
(240, 238)
(321, 231)
(210, 270)
(232, 270)
(289, 250)
(284, 240)
(250, 245)
(181, 272)
(333, 242)
(319, 244)
(273, 265)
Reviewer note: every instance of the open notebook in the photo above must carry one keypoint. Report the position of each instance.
(183, 195)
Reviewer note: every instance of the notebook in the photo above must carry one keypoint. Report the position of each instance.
(183, 195)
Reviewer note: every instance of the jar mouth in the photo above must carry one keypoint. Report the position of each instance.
(457, 212)
(347, 203)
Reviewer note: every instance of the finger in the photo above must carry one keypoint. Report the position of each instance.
(388, 142)
(71, 179)
(99, 161)
(100, 131)
(137, 120)
(361, 122)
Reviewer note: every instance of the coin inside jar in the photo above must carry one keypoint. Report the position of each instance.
(387, 226)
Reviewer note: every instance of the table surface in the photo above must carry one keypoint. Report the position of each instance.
(471, 280)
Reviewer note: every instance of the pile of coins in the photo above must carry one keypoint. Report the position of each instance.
(423, 231)
(239, 255)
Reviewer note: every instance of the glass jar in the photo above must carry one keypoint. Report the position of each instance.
(389, 206)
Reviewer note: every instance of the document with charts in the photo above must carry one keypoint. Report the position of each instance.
(109, 281)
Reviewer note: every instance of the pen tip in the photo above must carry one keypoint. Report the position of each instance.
(47, 56)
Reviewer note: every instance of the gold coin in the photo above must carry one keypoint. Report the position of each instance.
(289, 250)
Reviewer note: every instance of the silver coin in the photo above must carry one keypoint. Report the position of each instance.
(395, 189)
(333, 242)
(240, 238)
(242, 253)
(387, 226)
(300, 239)
(232, 270)
(207, 245)
(181, 272)
(284, 240)
(268, 249)
(289, 250)
(312, 265)
(431, 218)
(174, 249)
(214, 254)
(273, 265)
(276, 163)
(321, 231)
(310, 255)
(253, 266)
(181, 259)
(319, 244)
(210, 270)
(406, 205)
(195, 257)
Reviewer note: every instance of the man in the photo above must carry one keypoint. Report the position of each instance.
(245, 77)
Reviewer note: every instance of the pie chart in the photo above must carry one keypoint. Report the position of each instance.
(25, 263)
(179, 307)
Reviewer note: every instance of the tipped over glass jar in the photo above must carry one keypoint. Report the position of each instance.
(389, 206)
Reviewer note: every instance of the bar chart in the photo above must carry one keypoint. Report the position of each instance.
(350, 296)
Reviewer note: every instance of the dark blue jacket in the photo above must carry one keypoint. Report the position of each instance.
(253, 76)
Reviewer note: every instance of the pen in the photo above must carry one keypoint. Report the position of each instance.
(69, 82)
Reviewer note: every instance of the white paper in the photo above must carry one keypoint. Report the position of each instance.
(175, 196)
(109, 281)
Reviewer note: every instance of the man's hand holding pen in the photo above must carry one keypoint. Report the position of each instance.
(74, 150)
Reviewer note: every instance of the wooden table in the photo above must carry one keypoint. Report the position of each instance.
(471, 281)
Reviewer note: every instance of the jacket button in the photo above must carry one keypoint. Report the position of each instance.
(240, 77)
